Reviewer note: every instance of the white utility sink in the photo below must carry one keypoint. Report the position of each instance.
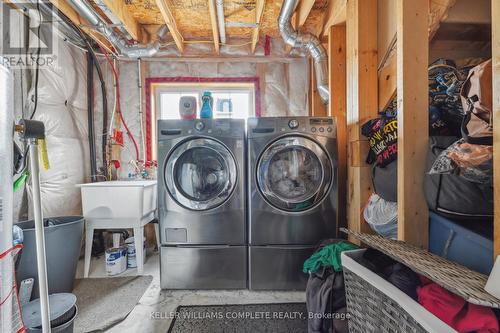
(132, 199)
(118, 205)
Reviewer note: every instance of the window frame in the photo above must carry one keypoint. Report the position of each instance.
(154, 84)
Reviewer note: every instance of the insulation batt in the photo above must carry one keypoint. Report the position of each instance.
(62, 106)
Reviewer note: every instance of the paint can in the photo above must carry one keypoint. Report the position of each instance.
(116, 260)
(131, 255)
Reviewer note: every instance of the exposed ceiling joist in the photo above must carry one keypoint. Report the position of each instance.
(130, 24)
(259, 10)
(215, 28)
(302, 12)
(335, 14)
(165, 7)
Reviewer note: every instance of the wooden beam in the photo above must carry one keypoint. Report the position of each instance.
(337, 109)
(165, 7)
(361, 69)
(495, 44)
(387, 83)
(317, 108)
(335, 14)
(259, 10)
(119, 9)
(215, 28)
(413, 120)
(303, 9)
(261, 74)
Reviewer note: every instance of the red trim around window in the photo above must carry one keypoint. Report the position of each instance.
(187, 79)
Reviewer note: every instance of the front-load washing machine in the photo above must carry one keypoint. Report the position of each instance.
(292, 198)
(201, 204)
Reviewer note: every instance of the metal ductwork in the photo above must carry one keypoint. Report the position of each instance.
(120, 43)
(308, 42)
(221, 22)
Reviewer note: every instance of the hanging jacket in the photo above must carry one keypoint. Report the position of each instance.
(325, 295)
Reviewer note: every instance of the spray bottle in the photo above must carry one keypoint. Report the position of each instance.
(207, 105)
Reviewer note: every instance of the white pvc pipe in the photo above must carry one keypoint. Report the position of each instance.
(141, 118)
(6, 194)
(40, 237)
(221, 22)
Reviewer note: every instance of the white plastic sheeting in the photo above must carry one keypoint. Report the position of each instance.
(62, 106)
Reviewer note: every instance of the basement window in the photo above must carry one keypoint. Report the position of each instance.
(236, 101)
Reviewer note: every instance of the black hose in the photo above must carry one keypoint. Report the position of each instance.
(90, 113)
(104, 105)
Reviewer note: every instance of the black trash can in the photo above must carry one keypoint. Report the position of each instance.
(63, 238)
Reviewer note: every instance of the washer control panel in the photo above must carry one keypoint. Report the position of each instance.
(211, 127)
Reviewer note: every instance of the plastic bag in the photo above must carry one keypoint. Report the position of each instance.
(382, 216)
(473, 162)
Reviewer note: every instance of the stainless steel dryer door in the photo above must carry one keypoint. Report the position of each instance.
(294, 173)
(200, 174)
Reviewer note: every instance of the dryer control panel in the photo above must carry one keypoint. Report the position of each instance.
(321, 125)
(324, 126)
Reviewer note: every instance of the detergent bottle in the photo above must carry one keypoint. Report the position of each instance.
(207, 105)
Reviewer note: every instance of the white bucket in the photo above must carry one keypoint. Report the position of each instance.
(116, 260)
(131, 257)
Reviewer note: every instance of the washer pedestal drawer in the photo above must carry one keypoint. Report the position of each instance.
(203, 267)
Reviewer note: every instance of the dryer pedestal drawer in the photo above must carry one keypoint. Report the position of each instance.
(278, 267)
(203, 267)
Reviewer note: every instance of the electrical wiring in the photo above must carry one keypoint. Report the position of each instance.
(37, 66)
(113, 113)
(118, 108)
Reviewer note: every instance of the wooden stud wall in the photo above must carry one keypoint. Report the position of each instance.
(338, 109)
(362, 102)
(412, 92)
(495, 27)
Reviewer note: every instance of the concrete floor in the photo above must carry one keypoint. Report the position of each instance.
(154, 311)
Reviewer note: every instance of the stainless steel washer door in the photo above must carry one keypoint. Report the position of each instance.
(200, 174)
(294, 173)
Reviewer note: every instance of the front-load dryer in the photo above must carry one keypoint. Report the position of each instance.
(292, 196)
(201, 204)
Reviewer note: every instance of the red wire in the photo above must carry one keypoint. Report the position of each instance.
(117, 80)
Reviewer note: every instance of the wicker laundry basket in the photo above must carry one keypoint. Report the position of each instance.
(375, 305)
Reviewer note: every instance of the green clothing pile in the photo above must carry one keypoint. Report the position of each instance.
(328, 256)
